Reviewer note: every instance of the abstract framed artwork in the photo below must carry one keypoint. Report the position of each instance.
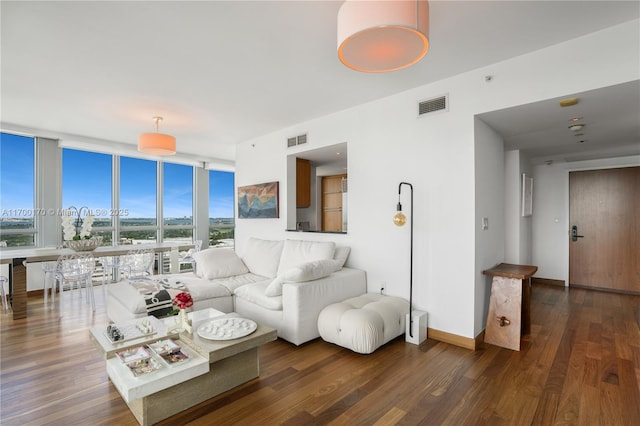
(258, 201)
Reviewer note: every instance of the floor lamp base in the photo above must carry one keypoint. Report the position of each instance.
(419, 328)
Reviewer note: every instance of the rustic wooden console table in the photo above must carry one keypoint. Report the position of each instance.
(510, 305)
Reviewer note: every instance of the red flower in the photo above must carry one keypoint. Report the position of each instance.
(183, 300)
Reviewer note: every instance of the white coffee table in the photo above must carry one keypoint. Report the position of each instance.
(218, 365)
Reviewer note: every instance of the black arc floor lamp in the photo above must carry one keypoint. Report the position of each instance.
(400, 219)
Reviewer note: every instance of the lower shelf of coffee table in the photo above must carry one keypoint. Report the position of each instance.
(132, 388)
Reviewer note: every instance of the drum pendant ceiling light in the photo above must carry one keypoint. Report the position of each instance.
(382, 36)
(157, 143)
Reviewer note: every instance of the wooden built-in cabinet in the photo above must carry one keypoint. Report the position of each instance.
(303, 182)
(332, 203)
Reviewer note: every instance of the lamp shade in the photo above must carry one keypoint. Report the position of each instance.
(382, 36)
(157, 144)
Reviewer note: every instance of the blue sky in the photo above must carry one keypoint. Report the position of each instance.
(87, 181)
(16, 173)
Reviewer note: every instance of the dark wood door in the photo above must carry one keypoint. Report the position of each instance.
(303, 182)
(604, 208)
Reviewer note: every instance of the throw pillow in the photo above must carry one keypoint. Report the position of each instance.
(215, 263)
(262, 256)
(274, 288)
(341, 254)
(296, 252)
(308, 271)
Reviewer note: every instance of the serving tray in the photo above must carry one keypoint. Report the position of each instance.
(226, 328)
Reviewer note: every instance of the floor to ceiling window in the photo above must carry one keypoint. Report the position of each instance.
(17, 191)
(138, 195)
(133, 200)
(87, 187)
(221, 209)
(177, 202)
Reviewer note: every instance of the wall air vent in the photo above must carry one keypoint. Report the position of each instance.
(296, 140)
(432, 105)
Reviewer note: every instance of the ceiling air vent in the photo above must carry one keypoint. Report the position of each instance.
(432, 105)
(296, 140)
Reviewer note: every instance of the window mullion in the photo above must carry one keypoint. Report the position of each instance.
(115, 197)
(159, 201)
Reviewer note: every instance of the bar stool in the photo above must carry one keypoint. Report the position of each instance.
(3, 281)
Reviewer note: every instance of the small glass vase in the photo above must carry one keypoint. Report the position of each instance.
(182, 323)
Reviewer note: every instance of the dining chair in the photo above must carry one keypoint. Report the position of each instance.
(138, 262)
(5, 302)
(187, 257)
(111, 267)
(50, 270)
(77, 269)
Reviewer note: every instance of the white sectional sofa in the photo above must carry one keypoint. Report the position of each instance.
(282, 283)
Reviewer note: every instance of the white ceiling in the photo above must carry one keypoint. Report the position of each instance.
(223, 72)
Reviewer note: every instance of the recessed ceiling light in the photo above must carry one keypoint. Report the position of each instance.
(576, 127)
(568, 102)
(574, 119)
(578, 134)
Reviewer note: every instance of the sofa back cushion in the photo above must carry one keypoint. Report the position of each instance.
(215, 263)
(296, 252)
(263, 256)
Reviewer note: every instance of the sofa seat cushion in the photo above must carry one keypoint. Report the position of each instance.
(232, 283)
(131, 300)
(202, 289)
(128, 297)
(256, 293)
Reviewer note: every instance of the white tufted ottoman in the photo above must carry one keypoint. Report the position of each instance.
(363, 323)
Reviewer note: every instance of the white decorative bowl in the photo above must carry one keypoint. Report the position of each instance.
(84, 245)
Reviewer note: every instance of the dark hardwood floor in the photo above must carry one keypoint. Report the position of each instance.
(580, 365)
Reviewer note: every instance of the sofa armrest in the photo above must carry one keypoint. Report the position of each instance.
(303, 301)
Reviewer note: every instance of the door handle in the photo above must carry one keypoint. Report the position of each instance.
(574, 233)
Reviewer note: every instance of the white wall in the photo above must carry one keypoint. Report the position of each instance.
(550, 243)
(438, 155)
(518, 229)
(550, 219)
(490, 201)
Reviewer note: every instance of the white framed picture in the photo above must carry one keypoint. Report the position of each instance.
(527, 195)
